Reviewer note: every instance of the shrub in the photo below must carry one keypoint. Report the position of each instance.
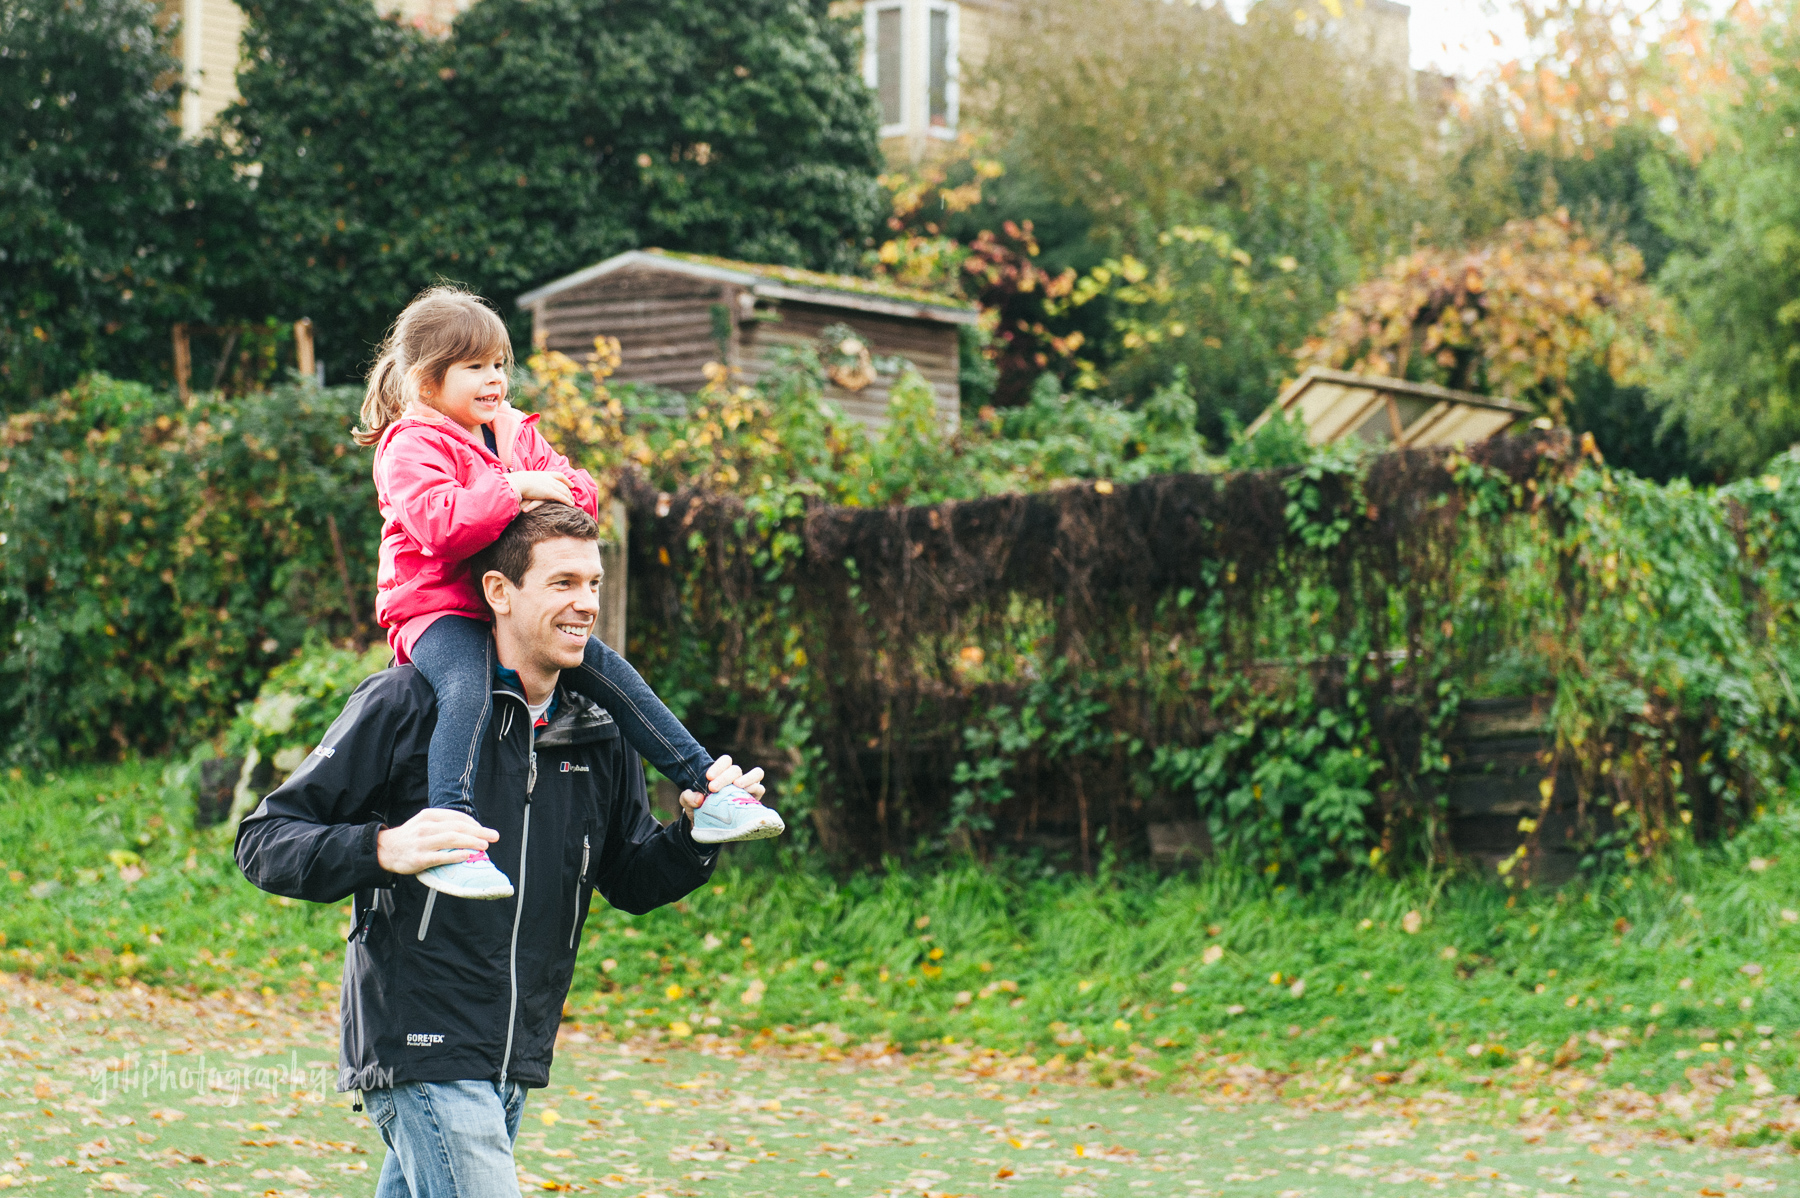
(158, 560)
(298, 701)
(1519, 316)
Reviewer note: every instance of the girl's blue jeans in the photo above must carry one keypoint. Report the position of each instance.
(456, 655)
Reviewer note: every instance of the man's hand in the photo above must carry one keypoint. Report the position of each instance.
(433, 837)
(722, 774)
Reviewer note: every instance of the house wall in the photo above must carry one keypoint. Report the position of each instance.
(207, 39)
(975, 24)
(664, 323)
(929, 346)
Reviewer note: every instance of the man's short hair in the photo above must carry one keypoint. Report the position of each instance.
(511, 551)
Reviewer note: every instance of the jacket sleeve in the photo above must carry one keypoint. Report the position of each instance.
(313, 837)
(447, 517)
(532, 452)
(644, 865)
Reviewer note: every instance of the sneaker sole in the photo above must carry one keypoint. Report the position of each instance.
(464, 892)
(760, 832)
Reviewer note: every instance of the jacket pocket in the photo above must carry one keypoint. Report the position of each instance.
(587, 856)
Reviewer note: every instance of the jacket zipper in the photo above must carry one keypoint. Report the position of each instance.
(425, 919)
(512, 956)
(580, 880)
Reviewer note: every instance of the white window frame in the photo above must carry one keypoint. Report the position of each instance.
(952, 69)
(871, 64)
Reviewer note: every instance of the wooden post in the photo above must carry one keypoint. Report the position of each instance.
(614, 538)
(303, 348)
(184, 364)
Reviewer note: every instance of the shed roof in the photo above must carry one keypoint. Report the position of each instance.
(775, 282)
(1390, 412)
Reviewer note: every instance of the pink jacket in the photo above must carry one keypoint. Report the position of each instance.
(444, 497)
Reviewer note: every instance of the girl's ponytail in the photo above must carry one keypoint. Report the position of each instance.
(385, 398)
(442, 326)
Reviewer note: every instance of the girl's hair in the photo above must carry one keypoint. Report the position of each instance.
(442, 326)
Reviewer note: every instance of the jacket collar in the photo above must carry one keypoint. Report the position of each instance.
(506, 426)
(578, 720)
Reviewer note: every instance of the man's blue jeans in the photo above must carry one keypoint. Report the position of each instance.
(448, 1139)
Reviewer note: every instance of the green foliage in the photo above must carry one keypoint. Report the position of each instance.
(1137, 114)
(1733, 381)
(300, 698)
(103, 203)
(1630, 430)
(782, 442)
(1221, 963)
(1060, 436)
(1609, 188)
(1291, 682)
(1227, 300)
(102, 878)
(158, 561)
(539, 137)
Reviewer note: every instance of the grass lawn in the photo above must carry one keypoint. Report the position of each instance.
(1664, 998)
(136, 1092)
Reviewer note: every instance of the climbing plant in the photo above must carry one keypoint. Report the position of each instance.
(949, 654)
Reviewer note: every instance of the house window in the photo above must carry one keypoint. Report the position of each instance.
(941, 84)
(883, 62)
(909, 60)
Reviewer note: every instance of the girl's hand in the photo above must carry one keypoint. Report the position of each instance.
(542, 485)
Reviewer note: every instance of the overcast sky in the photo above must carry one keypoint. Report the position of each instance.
(1462, 37)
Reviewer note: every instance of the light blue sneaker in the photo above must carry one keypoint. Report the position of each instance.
(733, 814)
(476, 878)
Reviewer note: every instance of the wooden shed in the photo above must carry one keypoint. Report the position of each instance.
(673, 313)
(1389, 413)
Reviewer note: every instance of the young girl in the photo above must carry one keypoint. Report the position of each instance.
(454, 463)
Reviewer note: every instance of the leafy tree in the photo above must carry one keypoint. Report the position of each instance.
(1146, 114)
(1222, 303)
(538, 137)
(965, 224)
(103, 205)
(1596, 70)
(1516, 316)
(1607, 189)
(1733, 378)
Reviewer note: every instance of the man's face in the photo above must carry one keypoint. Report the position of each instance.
(552, 613)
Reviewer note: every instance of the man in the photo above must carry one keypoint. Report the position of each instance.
(451, 1006)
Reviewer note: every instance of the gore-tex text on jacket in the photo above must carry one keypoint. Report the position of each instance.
(446, 989)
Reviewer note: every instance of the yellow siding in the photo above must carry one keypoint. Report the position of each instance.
(209, 41)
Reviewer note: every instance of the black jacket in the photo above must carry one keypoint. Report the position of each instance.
(445, 989)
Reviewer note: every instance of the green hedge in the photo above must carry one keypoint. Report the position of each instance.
(156, 562)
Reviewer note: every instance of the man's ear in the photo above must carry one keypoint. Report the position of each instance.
(496, 588)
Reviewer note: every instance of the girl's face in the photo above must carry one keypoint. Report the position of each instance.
(471, 392)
